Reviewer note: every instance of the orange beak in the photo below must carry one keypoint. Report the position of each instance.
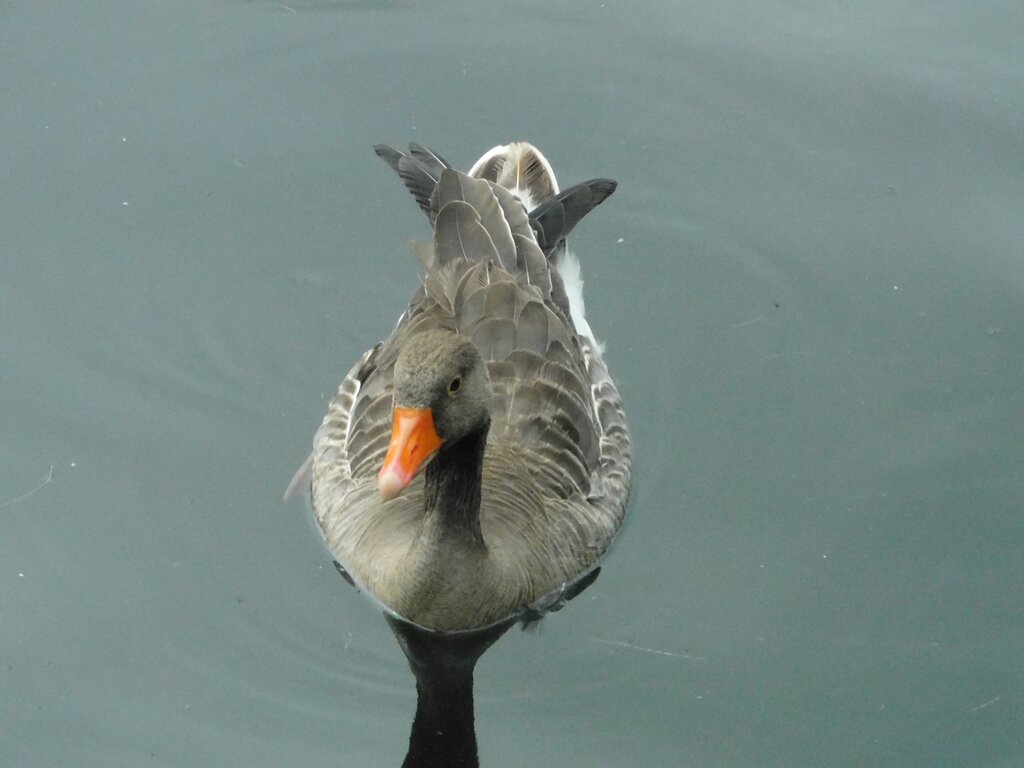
(414, 441)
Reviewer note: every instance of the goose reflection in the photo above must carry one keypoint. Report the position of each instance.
(443, 729)
(443, 663)
(473, 468)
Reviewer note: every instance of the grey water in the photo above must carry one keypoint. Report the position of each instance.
(810, 283)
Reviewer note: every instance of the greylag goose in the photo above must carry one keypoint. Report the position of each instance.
(475, 466)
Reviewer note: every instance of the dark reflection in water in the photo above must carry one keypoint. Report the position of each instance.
(443, 729)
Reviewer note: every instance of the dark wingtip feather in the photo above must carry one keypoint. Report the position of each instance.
(419, 178)
(388, 154)
(428, 158)
(555, 218)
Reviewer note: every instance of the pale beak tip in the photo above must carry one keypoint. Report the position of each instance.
(390, 484)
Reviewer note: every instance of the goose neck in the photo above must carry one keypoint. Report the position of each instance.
(453, 482)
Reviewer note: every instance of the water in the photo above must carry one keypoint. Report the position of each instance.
(810, 284)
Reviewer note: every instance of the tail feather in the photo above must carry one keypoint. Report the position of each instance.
(507, 211)
(522, 169)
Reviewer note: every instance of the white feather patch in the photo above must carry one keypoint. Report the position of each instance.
(512, 154)
(568, 267)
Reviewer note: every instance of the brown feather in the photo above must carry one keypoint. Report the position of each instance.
(556, 467)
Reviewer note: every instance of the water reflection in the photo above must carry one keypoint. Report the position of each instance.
(443, 729)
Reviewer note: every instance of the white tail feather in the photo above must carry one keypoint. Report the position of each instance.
(514, 155)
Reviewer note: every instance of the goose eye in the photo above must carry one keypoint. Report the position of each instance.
(454, 385)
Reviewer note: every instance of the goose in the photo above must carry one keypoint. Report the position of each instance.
(474, 467)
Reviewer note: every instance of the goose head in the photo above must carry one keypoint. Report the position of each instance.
(442, 394)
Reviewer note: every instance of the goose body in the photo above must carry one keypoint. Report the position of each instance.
(514, 478)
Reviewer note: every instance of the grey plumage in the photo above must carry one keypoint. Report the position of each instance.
(557, 462)
(555, 218)
(551, 220)
(418, 178)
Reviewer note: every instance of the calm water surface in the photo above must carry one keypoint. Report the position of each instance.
(811, 287)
